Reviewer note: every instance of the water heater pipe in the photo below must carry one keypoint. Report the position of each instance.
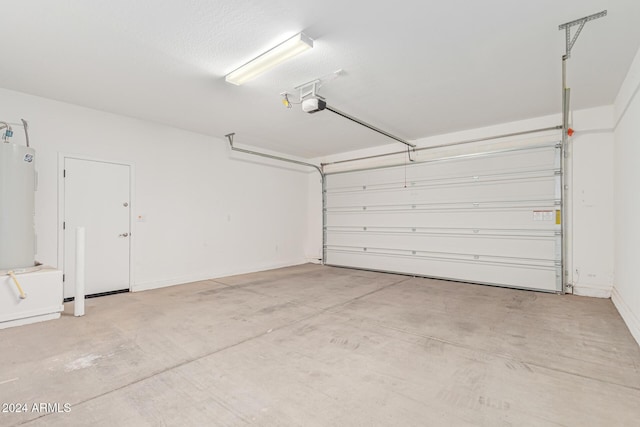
(25, 125)
(6, 125)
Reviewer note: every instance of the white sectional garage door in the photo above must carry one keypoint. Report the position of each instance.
(488, 218)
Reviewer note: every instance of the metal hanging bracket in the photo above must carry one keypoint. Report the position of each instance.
(566, 132)
(570, 41)
(409, 149)
(309, 89)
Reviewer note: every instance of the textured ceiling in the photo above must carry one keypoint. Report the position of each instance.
(413, 68)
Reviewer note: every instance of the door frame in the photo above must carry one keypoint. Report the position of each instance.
(132, 233)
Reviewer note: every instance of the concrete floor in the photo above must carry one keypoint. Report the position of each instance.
(312, 345)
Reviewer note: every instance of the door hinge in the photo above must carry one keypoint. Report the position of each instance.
(64, 225)
(64, 173)
(63, 276)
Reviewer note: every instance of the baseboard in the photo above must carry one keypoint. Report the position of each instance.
(38, 312)
(629, 317)
(146, 286)
(587, 291)
(29, 320)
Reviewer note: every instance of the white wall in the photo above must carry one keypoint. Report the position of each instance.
(591, 182)
(626, 291)
(209, 212)
(590, 263)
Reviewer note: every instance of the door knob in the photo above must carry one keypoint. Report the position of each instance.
(124, 235)
(125, 204)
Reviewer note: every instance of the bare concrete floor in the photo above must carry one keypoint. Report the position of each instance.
(312, 345)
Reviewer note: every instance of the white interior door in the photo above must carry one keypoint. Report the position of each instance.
(490, 218)
(97, 197)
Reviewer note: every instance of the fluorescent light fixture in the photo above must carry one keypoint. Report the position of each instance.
(285, 50)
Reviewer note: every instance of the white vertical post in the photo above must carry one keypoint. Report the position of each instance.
(78, 305)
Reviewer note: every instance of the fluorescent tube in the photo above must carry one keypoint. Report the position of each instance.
(285, 50)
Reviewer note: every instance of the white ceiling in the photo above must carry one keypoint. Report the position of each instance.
(413, 68)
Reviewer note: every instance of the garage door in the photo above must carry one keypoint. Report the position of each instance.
(488, 218)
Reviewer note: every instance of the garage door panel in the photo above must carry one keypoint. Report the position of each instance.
(536, 247)
(491, 218)
(449, 218)
(518, 275)
(503, 190)
(502, 163)
(467, 178)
